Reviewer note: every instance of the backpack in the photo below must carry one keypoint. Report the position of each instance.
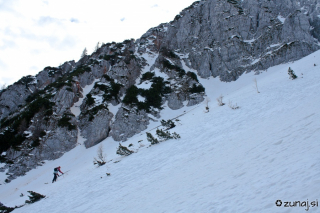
(55, 171)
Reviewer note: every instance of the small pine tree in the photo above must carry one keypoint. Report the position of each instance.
(3, 87)
(84, 53)
(169, 124)
(175, 135)
(151, 139)
(122, 150)
(97, 46)
(291, 74)
(164, 135)
(34, 197)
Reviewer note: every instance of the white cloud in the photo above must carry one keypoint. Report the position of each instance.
(39, 33)
(74, 20)
(2, 65)
(46, 20)
(6, 43)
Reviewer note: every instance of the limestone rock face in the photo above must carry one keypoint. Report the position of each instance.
(52, 145)
(175, 101)
(97, 129)
(226, 38)
(128, 122)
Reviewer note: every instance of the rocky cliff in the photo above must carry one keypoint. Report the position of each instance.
(133, 80)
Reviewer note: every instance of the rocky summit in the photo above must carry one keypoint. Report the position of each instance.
(118, 89)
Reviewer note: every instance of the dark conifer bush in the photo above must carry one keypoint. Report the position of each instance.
(291, 74)
(196, 88)
(5, 209)
(34, 197)
(90, 100)
(64, 122)
(122, 150)
(152, 139)
(169, 124)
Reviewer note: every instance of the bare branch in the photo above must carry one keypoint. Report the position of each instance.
(101, 158)
(256, 85)
(207, 104)
(233, 106)
(220, 102)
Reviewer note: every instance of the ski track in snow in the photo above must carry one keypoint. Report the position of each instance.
(226, 160)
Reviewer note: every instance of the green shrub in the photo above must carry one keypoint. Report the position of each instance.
(151, 139)
(3, 158)
(167, 64)
(131, 95)
(197, 89)
(26, 80)
(153, 96)
(93, 62)
(291, 74)
(122, 150)
(53, 70)
(169, 124)
(35, 106)
(105, 76)
(11, 137)
(35, 143)
(193, 76)
(69, 89)
(112, 58)
(79, 70)
(67, 79)
(89, 100)
(152, 99)
(147, 76)
(192, 5)
(34, 95)
(168, 53)
(92, 112)
(59, 83)
(119, 45)
(64, 122)
(177, 17)
(111, 91)
(34, 197)
(127, 41)
(42, 133)
(5, 209)
(166, 135)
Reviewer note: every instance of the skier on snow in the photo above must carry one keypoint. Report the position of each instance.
(56, 173)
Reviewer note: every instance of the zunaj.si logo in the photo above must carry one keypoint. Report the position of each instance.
(305, 204)
(278, 203)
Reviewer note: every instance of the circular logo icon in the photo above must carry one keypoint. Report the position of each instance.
(278, 203)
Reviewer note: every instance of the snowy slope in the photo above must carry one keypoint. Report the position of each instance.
(227, 160)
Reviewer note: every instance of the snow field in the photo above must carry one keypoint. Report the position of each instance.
(226, 160)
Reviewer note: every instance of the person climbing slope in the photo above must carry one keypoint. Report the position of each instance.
(56, 173)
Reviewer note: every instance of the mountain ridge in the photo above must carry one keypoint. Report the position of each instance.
(226, 160)
(214, 38)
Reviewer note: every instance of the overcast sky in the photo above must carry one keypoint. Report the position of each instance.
(39, 33)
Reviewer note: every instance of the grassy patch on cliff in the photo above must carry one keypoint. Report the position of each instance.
(65, 122)
(153, 96)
